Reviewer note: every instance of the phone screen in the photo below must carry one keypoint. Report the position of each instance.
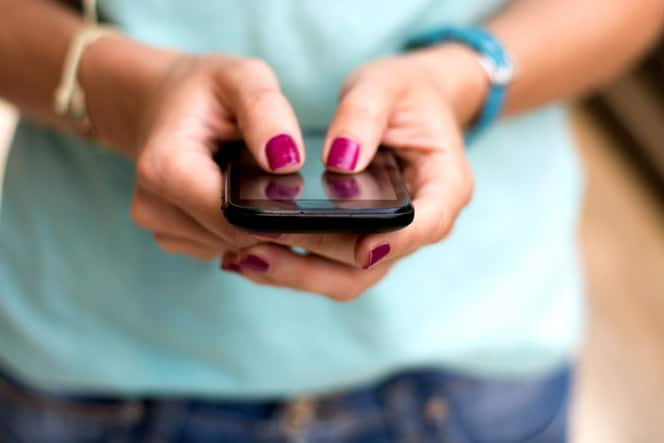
(378, 186)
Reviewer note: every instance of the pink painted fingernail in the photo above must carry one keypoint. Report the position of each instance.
(377, 254)
(254, 263)
(343, 154)
(231, 267)
(281, 151)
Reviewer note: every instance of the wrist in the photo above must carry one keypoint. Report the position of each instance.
(119, 77)
(463, 83)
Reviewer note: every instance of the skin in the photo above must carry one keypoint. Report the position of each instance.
(167, 111)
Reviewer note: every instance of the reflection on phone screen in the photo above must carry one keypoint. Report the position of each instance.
(313, 182)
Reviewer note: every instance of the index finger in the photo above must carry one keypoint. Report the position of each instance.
(265, 118)
(360, 122)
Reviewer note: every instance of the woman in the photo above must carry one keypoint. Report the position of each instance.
(110, 332)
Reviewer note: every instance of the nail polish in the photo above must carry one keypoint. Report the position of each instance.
(377, 254)
(343, 154)
(254, 263)
(231, 267)
(281, 151)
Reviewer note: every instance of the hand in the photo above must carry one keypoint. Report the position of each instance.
(406, 103)
(200, 103)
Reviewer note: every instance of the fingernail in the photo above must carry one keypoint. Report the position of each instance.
(278, 192)
(254, 263)
(231, 267)
(268, 235)
(342, 186)
(377, 254)
(281, 152)
(343, 154)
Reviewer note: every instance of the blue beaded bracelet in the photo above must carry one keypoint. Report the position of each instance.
(492, 56)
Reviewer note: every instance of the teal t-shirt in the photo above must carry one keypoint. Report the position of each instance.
(89, 303)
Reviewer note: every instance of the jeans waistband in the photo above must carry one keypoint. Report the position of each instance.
(418, 399)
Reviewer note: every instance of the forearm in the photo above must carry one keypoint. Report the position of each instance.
(117, 74)
(564, 48)
(34, 36)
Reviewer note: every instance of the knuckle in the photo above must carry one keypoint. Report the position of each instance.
(355, 286)
(362, 111)
(256, 66)
(139, 213)
(173, 172)
(166, 246)
(261, 99)
(443, 227)
(147, 174)
(255, 69)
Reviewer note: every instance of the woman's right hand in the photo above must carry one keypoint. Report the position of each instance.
(200, 102)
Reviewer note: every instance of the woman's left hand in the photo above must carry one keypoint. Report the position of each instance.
(417, 105)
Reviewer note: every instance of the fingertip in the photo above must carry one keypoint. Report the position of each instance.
(343, 155)
(255, 263)
(372, 251)
(283, 154)
(377, 254)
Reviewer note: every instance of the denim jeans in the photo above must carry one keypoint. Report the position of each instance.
(416, 406)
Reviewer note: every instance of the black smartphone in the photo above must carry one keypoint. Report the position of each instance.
(314, 200)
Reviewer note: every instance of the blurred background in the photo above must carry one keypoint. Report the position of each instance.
(620, 130)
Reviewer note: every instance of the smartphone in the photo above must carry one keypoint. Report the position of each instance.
(314, 200)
